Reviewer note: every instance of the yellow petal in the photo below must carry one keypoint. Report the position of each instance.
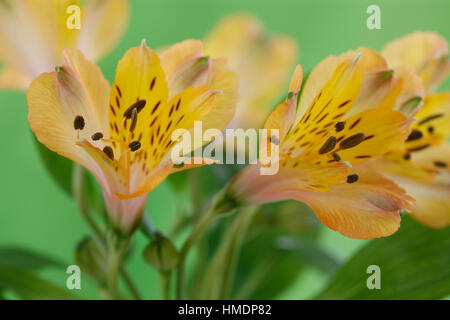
(426, 53)
(329, 106)
(56, 99)
(433, 123)
(262, 62)
(368, 60)
(103, 24)
(141, 113)
(140, 81)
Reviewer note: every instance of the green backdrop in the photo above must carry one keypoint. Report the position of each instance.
(35, 214)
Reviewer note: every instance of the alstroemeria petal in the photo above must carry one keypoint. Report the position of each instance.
(102, 26)
(426, 177)
(139, 85)
(185, 66)
(329, 107)
(426, 53)
(367, 60)
(363, 210)
(251, 187)
(433, 123)
(283, 116)
(262, 62)
(40, 25)
(68, 105)
(12, 79)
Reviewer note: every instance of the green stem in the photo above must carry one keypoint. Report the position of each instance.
(220, 277)
(117, 247)
(130, 284)
(165, 284)
(198, 230)
(237, 234)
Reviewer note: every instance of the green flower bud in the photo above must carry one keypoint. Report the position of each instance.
(90, 256)
(161, 253)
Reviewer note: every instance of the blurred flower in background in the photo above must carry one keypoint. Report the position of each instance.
(350, 111)
(126, 130)
(262, 62)
(422, 165)
(34, 33)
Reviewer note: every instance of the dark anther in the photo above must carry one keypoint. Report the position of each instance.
(328, 145)
(352, 178)
(430, 129)
(352, 141)
(109, 152)
(339, 126)
(407, 156)
(414, 135)
(336, 157)
(97, 136)
(441, 164)
(139, 105)
(78, 123)
(274, 140)
(135, 145)
(133, 119)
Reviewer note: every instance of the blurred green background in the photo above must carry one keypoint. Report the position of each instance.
(36, 214)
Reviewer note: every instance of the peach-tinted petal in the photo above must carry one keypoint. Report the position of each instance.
(185, 66)
(102, 26)
(40, 25)
(283, 115)
(432, 201)
(426, 53)
(11, 79)
(35, 33)
(364, 210)
(262, 62)
(426, 177)
(56, 99)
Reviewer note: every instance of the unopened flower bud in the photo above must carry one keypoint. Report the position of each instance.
(90, 256)
(161, 253)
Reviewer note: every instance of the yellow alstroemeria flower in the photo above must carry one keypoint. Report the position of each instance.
(34, 33)
(422, 165)
(350, 111)
(262, 62)
(124, 134)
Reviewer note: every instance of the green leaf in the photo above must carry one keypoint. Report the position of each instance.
(29, 286)
(59, 167)
(309, 252)
(26, 259)
(414, 264)
(262, 256)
